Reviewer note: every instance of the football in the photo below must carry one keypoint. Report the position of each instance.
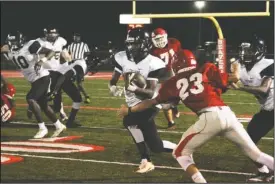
(135, 79)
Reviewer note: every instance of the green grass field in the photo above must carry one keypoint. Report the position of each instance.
(219, 160)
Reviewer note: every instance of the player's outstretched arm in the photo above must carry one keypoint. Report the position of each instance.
(145, 104)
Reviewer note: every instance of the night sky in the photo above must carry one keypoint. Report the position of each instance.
(98, 21)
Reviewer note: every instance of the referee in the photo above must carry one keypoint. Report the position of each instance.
(79, 50)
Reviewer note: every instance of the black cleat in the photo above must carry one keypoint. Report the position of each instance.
(171, 126)
(262, 177)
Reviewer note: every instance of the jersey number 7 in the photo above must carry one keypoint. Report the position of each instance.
(166, 56)
(183, 85)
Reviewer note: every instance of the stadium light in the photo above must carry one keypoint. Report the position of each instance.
(200, 4)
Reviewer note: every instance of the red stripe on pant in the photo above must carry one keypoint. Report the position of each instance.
(183, 144)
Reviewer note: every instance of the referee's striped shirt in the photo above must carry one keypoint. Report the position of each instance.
(77, 50)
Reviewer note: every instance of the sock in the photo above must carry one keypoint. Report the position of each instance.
(62, 109)
(72, 116)
(169, 146)
(263, 169)
(57, 124)
(266, 160)
(42, 125)
(198, 178)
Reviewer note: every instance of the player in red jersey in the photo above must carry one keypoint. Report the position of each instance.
(7, 101)
(166, 48)
(200, 90)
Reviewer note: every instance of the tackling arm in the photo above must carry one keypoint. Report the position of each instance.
(259, 90)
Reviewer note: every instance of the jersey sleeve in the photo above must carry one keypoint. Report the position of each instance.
(216, 77)
(168, 92)
(268, 71)
(63, 43)
(116, 63)
(86, 48)
(157, 69)
(35, 47)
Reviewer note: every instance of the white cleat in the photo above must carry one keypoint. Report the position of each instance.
(145, 166)
(59, 131)
(41, 133)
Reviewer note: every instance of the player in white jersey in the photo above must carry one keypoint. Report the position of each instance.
(26, 58)
(53, 41)
(257, 77)
(136, 59)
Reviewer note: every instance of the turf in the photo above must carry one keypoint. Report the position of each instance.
(104, 128)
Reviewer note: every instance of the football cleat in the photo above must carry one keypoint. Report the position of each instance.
(171, 126)
(41, 133)
(59, 130)
(262, 177)
(145, 166)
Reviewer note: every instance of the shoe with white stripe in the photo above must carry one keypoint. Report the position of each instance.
(59, 130)
(145, 166)
(41, 133)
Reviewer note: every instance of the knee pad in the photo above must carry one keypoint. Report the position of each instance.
(185, 161)
(76, 105)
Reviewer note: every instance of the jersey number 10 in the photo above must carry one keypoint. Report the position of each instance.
(20, 62)
(183, 85)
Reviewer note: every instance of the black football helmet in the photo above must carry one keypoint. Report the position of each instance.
(252, 52)
(15, 40)
(51, 33)
(204, 53)
(76, 37)
(138, 44)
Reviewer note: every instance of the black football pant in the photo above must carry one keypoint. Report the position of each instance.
(142, 128)
(58, 97)
(260, 125)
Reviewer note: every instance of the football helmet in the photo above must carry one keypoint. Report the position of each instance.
(252, 52)
(15, 40)
(8, 90)
(51, 33)
(159, 38)
(184, 61)
(138, 44)
(76, 37)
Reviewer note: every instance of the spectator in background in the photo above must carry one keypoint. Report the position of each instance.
(79, 50)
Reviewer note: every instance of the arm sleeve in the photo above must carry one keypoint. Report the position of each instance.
(118, 67)
(156, 74)
(35, 47)
(268, 71)
(86, 48)
(220, 79)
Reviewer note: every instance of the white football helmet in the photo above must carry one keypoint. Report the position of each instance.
(159, 38)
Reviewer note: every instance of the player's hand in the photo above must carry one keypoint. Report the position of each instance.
(37, 67)
(116, 90)
(131, 87)
(123, 111)
(52, 95)
(87, 100)
(235, 86)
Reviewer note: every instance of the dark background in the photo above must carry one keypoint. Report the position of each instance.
(98, 21)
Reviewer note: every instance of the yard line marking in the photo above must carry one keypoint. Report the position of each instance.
(113, 128)
(124, 163)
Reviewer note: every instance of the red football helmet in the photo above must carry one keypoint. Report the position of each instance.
(184, 61)
(159, 38)
(10, 91)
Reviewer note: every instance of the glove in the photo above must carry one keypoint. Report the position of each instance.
(116, 90)
(52, 95)
(87, 100)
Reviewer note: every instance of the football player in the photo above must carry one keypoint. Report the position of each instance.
(7, 101)
(257, 77)
(52, 40)
(200, 90)
(141, 125)
(166, 48)
(26, 57)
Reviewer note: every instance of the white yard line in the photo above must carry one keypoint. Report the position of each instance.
(123, 163)
(121, 129)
